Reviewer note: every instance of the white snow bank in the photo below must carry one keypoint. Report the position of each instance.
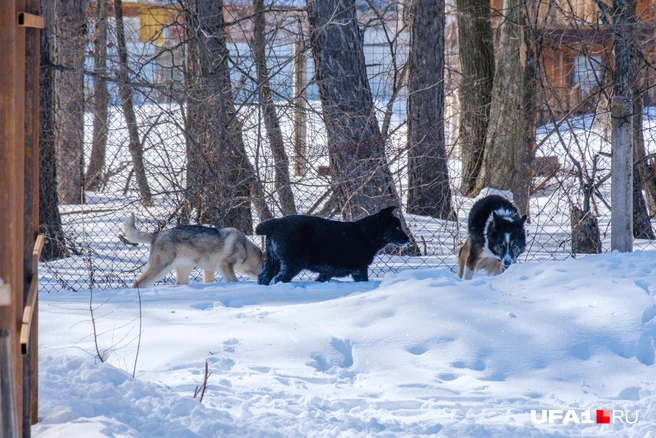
(418, 353)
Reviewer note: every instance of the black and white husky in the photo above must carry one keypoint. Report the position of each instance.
(496, 237)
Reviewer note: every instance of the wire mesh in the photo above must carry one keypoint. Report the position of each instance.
(572, 166)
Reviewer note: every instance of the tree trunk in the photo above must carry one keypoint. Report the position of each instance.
(510, 138)
(624, 82)
(360, 174)
(67, 44)
(299, 103)
(642, 166)
(586, 238)
(526, 152)
(623, 13)
(641, 222)
(135, 146)
(49, 219)
(642, 228)
(644, 176)
(94, 174)
(221, 180)
(477, 65)
(271, 121)
(505, 129)
(429, 193)
(359, 171)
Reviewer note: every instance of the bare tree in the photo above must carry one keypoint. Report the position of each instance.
(271, 120)
(389, 21)
(135, 146)
(531, 19)
(620, 17)
(50, 223)
(94, 174)
(359, 170)
(586, 238)
(642, 177)
(221, 180)
(477, 75)
(642, 228)
(621, 14)
(508, 156)
(505, 124)
(429, 192)
(642, 168)
(67, 44)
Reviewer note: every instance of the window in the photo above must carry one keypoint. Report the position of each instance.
(587, 72)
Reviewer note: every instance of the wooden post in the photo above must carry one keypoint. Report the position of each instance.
(19, 190)
(12, 153)
(622, 174)
(300, 106)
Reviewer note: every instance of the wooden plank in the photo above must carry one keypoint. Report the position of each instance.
(30, 305)
(28, 312)
(36, 252)
(30, 20)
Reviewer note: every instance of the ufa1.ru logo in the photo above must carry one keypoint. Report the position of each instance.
(600, 416)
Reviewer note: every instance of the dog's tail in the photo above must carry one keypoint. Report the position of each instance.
(134, 235)
(265, 228)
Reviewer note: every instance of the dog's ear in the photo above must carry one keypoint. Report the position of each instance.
(522, 220)
(387, 211)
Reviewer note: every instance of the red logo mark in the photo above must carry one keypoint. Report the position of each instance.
(603, 416)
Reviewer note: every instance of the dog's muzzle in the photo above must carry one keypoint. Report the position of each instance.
(404, 243)
(506, 261)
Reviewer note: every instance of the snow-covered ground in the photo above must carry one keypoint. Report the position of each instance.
(417, 353)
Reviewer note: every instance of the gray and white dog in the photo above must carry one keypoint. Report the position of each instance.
(211, 249)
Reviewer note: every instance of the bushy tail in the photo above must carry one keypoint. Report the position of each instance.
(265, 228)
(134, 235)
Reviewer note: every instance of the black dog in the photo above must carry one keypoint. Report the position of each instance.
(330, 248)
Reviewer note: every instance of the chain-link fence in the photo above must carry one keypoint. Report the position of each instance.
(570, 175)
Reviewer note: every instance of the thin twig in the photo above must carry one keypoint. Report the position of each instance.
(201, 388)
(89, 263)
(136, 356)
